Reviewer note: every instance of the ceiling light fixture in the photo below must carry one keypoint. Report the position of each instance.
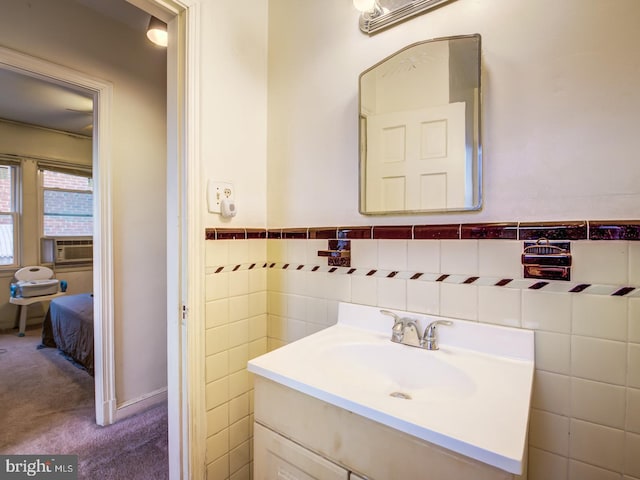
(157, 32)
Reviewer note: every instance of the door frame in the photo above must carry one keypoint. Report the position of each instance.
(185, 240)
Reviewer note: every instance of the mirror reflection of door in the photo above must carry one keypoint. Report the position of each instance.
(417, 160)
(420, 129)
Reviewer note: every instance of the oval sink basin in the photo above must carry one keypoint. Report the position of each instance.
(385, 369)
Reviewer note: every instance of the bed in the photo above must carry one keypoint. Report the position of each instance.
(68, 326)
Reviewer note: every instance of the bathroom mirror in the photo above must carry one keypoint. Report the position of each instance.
(420, 144)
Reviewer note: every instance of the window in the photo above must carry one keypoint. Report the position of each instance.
(8, 215)
(67, 203)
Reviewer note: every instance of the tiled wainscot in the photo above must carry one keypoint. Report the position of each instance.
(266, 288)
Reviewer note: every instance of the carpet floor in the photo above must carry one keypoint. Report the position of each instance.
(47, 407)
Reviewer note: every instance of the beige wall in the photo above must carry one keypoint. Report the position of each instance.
(233, 68)
(560, 103)
(75, 37)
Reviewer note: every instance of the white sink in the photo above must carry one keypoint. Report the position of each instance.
(381, 368)
(471, 396)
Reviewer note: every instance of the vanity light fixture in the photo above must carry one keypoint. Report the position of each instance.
(377, 15)
(157, 32)
(369, 9)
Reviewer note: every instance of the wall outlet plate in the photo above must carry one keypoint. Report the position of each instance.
(216, 191)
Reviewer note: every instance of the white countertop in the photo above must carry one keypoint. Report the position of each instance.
(472, 396)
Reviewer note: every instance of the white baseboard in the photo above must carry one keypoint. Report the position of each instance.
(140, 404)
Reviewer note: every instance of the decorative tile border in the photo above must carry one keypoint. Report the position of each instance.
(579, 230)
(574, 230)
(516, 283)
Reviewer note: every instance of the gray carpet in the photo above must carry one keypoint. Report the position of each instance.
(47, 407)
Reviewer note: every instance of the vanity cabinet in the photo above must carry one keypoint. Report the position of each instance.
(299, 437)
(276, 457)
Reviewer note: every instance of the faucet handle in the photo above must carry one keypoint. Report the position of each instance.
(429, 337)
(397, 331)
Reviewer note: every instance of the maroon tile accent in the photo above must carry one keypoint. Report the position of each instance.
(300, 267)
(442, 278)
(219, 269)
(231, 234)
(616, 230)
(355, 232)
(502, 231)
(235, 269)
(351, 270)
(285, 266)
(333, 269)
(256, 233)
(252, 266)
(623, 291)
(392, 274)
(294, 233)
(580, 288)
(315, 268)
(503, 282)
(323, 233)
(393, 232)
(416, 276)
(371, 272)
(538, 285)
(572, 230)
(553, 231)
(470, 280)
(264, 266)
(436, 232)
(272, 265)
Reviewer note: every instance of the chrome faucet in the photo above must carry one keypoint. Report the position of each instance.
(429, 340)
(404, 330)
(407, 332)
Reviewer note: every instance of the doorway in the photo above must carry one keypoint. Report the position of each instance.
(186, 418)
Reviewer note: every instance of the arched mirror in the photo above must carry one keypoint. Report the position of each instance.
(420, 144)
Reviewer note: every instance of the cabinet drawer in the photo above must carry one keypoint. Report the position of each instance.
(278, 458)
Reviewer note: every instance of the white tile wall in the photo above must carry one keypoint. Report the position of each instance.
(236, 327)
(499, 258)
(546, 311)
(585, 420)
(634, 263)
(583, 471)
(545, 465)
(596, 359)
(459, 301)
(424, 256)
(597, 445)
(552, 392)
(501, 306)
(600, 316)
(600, 262)
(459, 256)
(598, 402)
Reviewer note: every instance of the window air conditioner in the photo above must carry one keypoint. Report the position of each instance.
(66, 250)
